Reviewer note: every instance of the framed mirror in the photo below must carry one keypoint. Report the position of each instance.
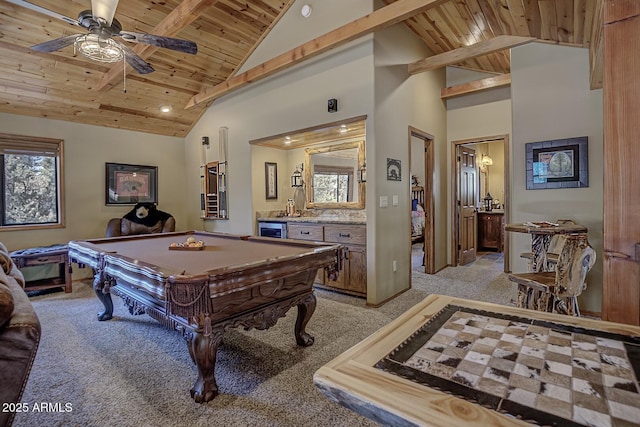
(331, 176)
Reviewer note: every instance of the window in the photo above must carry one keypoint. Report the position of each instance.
(31, 175)
(332, 184)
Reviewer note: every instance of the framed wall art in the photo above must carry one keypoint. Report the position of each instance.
(271, 180)
(394, 171)
(130, 184)
(559, 163)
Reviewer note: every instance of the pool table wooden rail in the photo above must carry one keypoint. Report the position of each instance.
(203, 305)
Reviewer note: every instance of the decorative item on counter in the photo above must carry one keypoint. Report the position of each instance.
(496, 204)
(488, 202)
(291, 208)
(189, 245)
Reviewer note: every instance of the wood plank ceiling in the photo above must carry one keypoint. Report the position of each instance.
(63, 86)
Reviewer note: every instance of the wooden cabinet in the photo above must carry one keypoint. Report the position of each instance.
(490, 231)
(353, 276)
(304, 231)
(214, 198)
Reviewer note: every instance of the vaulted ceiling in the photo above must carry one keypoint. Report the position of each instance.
(474, 34)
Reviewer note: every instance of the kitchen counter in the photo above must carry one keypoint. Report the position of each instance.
(313, 219)
(326, 217)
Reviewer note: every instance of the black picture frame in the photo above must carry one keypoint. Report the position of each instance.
(559, 163)
(394, 170)
(130, 184)
(271, 180)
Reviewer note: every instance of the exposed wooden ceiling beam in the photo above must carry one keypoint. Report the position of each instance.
(381, 18)
(456, 56)
(179, 18)
(475, 86)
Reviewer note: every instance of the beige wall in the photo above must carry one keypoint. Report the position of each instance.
(401, 101)
(495, 172)
(552, 100)
(86, 149)
(491, 181)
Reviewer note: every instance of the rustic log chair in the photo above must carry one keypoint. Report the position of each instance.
(553, 251)
(557, 291)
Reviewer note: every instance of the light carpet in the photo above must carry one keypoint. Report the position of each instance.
(130, 371)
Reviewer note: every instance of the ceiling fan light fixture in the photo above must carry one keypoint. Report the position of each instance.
(102, 49)
(104, 9)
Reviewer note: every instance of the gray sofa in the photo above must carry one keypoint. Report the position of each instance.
(19, 336)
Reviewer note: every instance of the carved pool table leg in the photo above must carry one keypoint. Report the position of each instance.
(101, 286)
(203, 349)
(306, 307)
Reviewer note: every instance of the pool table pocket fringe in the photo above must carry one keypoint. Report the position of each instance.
(188, 299)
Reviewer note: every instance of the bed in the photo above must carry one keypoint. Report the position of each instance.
(417, 214)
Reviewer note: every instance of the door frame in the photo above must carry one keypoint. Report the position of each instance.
(455, 226)
(429, 153)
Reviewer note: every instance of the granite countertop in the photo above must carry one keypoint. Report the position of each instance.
(495, 211)
(313, 219)
(333, 217)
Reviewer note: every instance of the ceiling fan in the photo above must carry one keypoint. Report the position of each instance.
(100, 42)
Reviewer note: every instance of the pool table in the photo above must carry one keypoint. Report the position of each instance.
(232, 281)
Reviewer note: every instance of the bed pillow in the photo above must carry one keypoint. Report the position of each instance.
(414, 204)
(6, 304)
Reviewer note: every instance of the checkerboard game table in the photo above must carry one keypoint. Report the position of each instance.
(454, 362)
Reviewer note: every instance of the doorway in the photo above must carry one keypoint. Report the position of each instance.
(461, 165)
(421, 147)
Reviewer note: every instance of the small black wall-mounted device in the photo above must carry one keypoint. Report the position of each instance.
(205, 140)
(332, 105)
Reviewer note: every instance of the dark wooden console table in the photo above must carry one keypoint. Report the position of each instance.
(56, 254)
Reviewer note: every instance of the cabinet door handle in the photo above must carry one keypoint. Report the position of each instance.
(344, 234)
(305, 232)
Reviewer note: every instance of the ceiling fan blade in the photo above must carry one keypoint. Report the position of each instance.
(137, 63)
(180, 45)
(104, 9)
(44, 11)
(55, 44)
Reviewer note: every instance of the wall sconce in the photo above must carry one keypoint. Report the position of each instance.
(484, 162)
(296, 178)
(362, 173)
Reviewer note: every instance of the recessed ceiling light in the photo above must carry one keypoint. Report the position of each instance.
(165, 108)
(306, 11)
